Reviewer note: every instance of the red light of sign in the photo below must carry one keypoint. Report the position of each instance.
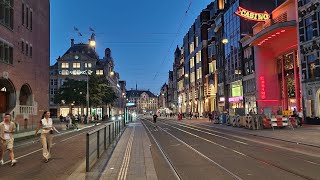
(262, 87)
(254, 16)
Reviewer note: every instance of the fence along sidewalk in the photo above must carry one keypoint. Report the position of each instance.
(98, 140)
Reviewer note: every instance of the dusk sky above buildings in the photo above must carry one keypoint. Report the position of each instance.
(141, 34)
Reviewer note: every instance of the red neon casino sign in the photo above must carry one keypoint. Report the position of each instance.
(262, 87)
(253, 16)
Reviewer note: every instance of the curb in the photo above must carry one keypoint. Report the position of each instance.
(262, 136)
(268, 137)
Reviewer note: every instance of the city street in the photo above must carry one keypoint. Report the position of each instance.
(68, 152)
(203, 151)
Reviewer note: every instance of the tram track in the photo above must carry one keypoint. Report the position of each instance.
(260, 160)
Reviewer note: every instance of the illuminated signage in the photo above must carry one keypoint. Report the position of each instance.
(236, 99)
(262, 87)
(236, 90)
(254, 16)
(75, 72)
(130, 104)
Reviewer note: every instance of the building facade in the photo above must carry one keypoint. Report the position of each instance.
(163, 100)
(24, 60)
(195, 52)
(145, 101)
(271, 80)
(79, 62)
(235, 28)
(309, 45)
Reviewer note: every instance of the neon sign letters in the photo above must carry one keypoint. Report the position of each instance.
(262, 87)
(253, 16)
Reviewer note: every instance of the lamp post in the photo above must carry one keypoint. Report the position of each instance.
(92, 44)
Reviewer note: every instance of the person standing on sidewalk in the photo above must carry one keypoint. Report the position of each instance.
(7, 128)
(46, 124)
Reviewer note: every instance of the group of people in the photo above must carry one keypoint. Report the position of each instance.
(8, 128)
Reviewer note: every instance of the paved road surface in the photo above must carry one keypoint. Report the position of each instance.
(200, 151)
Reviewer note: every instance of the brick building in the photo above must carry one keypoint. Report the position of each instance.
(24, 60)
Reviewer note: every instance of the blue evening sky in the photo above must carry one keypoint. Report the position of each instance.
(139, 33)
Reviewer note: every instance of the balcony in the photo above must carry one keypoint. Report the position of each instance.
(27, 110)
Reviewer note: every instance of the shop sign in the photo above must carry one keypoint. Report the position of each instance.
(253, 16)
(222, 99)
(236, 99)
(262, 87)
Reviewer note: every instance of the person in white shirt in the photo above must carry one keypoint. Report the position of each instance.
(7, 128)
(46, 124)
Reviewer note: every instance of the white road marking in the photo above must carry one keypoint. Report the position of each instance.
(222, 146)
(210, 133)
(204, 156)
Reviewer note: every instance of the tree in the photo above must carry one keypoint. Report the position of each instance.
(72, 92)
(100, 91)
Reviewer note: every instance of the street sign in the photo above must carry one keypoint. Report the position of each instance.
(287, 113)
(130, 104)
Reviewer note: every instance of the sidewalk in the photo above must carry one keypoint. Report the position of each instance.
(132, 157)
(307, 135)
(60, 127)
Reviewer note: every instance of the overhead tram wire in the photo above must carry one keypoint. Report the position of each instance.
(178, 32)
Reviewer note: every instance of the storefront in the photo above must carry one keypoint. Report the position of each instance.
(250, 104)
(276, 62)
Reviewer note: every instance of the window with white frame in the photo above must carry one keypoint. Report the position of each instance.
(99, 72)
(197, 41)
(76, 65)
(64, 65)
(87, 65)
(198, 57)
(191, 62)
(192, 77)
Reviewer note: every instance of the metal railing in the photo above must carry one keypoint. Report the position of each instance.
(98, 140)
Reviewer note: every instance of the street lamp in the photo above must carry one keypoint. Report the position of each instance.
(186, 75)
(92, 44)
(111, 73)
(225, 41)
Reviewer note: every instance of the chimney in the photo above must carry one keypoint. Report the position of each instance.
(72, 42)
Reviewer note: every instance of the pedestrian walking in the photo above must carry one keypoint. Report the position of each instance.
(47, 129)
(155, 120)
(7, 128)
(300, 117)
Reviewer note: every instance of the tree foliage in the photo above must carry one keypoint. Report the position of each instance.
(74, 92)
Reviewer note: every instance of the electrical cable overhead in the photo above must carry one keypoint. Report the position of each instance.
(178, 32)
